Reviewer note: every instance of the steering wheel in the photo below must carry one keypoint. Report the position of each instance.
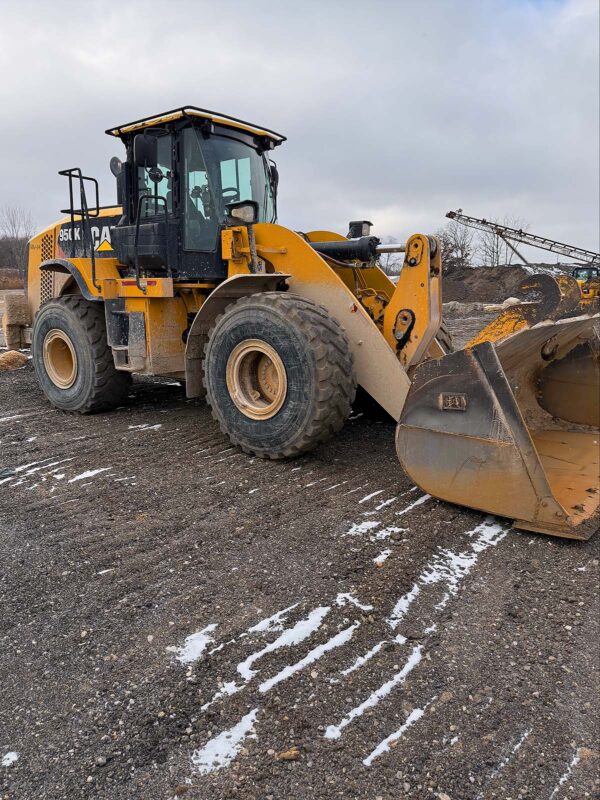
(155, 174)
(232, 190)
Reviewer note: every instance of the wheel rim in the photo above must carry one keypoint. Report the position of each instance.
(60, 359)
(256, 379)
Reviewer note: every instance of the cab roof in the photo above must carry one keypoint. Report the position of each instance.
(194, 111)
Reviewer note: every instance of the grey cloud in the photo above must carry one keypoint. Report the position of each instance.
(395, 111)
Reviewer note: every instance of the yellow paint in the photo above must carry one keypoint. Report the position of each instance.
(510, 321)
(126, 287)
(376, 365)
(418, 290)
(165, 322)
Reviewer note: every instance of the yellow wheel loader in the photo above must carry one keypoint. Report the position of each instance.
(588, 280)
(190, 276)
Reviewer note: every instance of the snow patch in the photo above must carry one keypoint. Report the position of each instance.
(228, 688)
(359, 528)
(506, 759)
(336, 641)
(345, 597)
(369, 496)
(90, 473)
(272, 623)
(10, 758)
(145, 427)
(567, 773)
(31, 468)
(385, 503)
(361, 660)
(194, 645)
(384, 746)
(220, 751)
(335, 731)
(378, 560)
(385, 533)
(449, 568)
(292, 636)
(423, 499)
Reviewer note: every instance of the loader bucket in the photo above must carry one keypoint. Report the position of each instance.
(512, 428)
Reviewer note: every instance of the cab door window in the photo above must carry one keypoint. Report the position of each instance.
(156, 182)
(201, 222)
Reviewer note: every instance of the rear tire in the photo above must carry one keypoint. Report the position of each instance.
(279, 374)
(72, 360)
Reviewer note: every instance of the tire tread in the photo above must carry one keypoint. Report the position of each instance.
(335, 381)
(110, 386)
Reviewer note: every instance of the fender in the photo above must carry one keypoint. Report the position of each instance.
(226, 293)
(62, 265)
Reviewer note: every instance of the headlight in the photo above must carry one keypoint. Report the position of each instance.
(358, 228)
(244, 211)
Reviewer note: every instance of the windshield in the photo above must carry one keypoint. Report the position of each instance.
(219, 170)
(586, 273)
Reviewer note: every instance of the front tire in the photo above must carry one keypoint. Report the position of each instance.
(279, 374)
(72, 360)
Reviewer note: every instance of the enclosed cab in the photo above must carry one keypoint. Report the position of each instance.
(588, 279)
(183, 175)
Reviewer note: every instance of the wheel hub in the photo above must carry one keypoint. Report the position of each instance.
(256, 379)
(60, 359)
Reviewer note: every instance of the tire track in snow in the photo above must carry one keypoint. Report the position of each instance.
(575, 759)
(338, 640)
(444, 573)
(384, 746)
(289, 637)
(335, 731)
(506, 760)
(448, 568)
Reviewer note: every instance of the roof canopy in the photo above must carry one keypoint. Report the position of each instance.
(194, 111)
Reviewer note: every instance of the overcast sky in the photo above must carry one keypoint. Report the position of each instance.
(395, 110)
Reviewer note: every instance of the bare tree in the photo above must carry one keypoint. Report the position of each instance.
(457, 245)
(391, 263)
(16, 228)
(493, 249)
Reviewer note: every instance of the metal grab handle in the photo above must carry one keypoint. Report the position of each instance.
(83, 212)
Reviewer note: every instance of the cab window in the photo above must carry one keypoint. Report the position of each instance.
(217, 171)
(156, 182)
(201, 221)
(236, 179)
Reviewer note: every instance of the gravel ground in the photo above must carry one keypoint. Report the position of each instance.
(180, 620)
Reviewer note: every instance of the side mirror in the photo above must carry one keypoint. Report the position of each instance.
(145, 150)
(244, 211)
(116, 166)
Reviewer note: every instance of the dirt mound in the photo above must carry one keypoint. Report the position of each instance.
(10, 279)
(482, 284)
(12, 359)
